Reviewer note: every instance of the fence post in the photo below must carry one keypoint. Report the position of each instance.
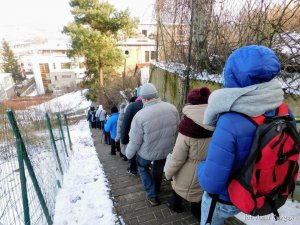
(14, 126)
(61, 132)
(67, 124)
(53, 143)
(26, 159)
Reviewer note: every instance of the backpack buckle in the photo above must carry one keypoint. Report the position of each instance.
(274, 195)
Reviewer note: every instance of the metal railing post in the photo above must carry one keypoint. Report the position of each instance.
(61, 133)
(68, 132)
(53, 143)
(28, 164)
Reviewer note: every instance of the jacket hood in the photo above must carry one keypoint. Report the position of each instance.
(196, 114)
(250, 65)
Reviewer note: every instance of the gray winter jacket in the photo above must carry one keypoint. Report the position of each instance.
(153, 131)
(119, 125)
(102, 115)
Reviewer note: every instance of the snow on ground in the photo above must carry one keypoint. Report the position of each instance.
(70, 102)
(289, 44)
(179, 69)
(289, 215)
(84, 197)
(34, 93)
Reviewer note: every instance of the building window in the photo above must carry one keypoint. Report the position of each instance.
(153, 55)
(54, 67)
(44, 69)
(144, 32)
(66, 76)
(65, 65)
(55, 77)
(146, 56)
(81, 65)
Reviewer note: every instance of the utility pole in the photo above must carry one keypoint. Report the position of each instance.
(157, 29)
(188, 67)
(124, 74)
(126, 55)
(201, 22)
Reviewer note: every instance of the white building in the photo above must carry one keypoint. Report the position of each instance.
(44, 58)
(138, 50)
(148, 30)
(63, 80)
(7, 86)
(43, 66)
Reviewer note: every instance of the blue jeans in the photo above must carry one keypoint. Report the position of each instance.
(150, 181)
(221, 213)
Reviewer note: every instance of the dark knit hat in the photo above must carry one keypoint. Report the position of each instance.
(198, 96)
(132, 99)
(114, 109)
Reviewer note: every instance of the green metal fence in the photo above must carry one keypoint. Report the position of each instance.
(35, 150)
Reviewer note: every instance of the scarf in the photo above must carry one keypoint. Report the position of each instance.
(189, 128)
(253, 100)
(191, 125)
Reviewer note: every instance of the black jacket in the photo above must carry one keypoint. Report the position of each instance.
(131, 110)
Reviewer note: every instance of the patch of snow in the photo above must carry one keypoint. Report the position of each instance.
(34, 93)
(289, 215)
(29, 76)
(84, 197)
(290, 85)
(67, 103)
(180, 69)
(172, 67)
(289, 43)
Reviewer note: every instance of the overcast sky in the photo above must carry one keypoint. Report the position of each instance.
(20, 18)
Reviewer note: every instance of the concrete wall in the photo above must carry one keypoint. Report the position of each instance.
(171, 86)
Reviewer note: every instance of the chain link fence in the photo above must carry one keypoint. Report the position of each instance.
(202, 33)
(35, 150)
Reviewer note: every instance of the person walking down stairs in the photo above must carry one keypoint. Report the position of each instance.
(190, 149)
(152, 137)
(111, 127)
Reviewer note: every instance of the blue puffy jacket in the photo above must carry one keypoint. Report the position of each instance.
(231, 142)
(111, 125)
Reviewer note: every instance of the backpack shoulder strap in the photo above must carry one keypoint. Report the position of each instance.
(282, 109)
(258, 120)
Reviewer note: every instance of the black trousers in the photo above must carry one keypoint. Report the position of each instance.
(132, 164)
(107, 139)
(176, 204)
(115, 146)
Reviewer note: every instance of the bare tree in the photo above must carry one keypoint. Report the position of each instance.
(221, 26)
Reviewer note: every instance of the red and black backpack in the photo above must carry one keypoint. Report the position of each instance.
(270, 172)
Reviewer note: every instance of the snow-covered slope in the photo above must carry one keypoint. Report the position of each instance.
(70, 102)
(84, 197)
